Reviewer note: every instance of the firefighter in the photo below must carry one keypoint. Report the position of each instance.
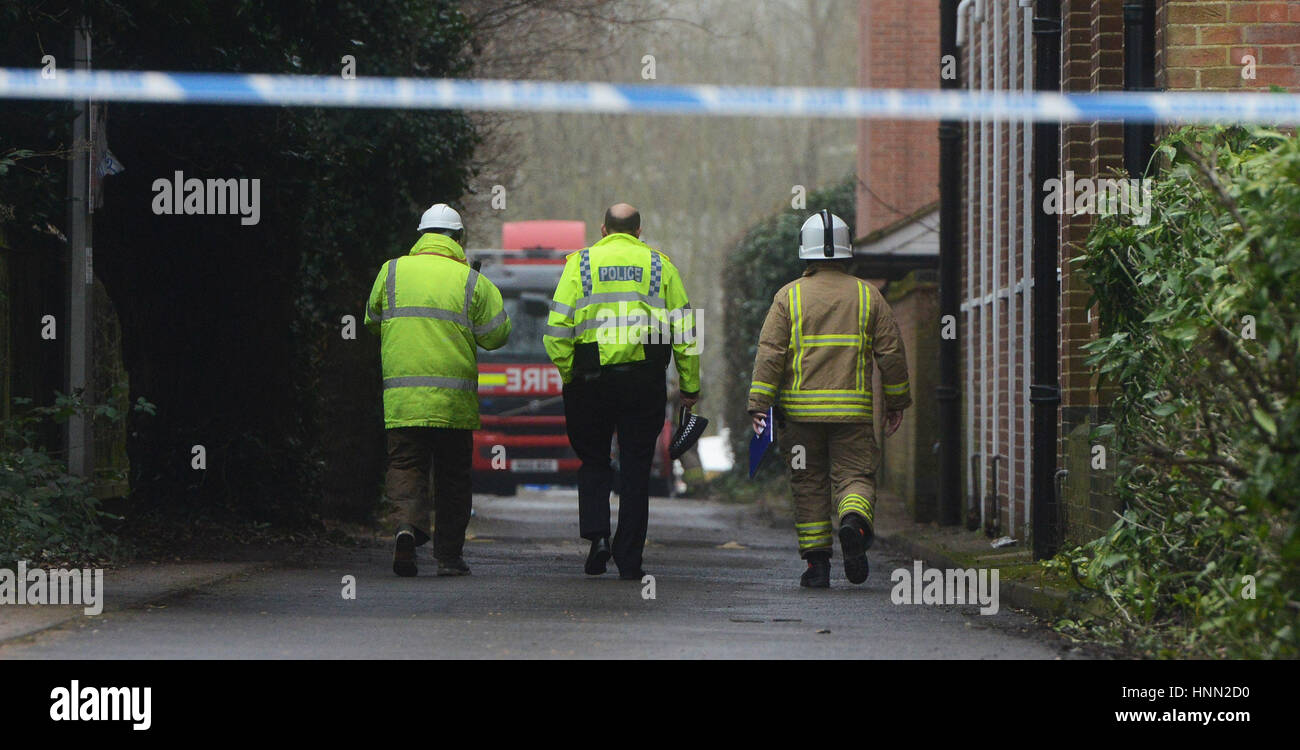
(618, 315)
(432, 312)
(814, 362)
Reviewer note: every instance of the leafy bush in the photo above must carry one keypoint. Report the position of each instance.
(46, 514)
(764, 260)
(1200, 342)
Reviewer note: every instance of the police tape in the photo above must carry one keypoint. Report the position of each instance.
(639, 98)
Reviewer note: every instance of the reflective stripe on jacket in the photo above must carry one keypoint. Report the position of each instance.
(617, 302)
(432, 311)
(817, 346)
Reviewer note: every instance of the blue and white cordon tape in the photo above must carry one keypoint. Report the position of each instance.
(572, 96)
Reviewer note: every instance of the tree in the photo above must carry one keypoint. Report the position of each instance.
(232, 330)
(698, 181)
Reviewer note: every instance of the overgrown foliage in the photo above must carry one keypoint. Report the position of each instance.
(46, 514)
(234, 330)
(765, 259)
(1200, 342)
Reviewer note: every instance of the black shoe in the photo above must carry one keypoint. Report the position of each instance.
(598, 557)
(632, 576)
(453, 567)
(855, 537)
(818, 574)
(404, 553)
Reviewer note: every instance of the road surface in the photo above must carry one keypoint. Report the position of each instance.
(726, 586)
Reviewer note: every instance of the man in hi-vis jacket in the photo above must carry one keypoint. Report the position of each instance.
(432, 312)
(815, 364)
(619, 315)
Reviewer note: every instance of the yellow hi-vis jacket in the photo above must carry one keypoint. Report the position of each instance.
(815, 353)
(621, 301)
(432, 311)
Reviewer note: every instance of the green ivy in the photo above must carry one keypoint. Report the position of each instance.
(1200, 344)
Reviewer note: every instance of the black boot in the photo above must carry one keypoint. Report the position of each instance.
(855, 537)
(453, 566)
(597, 557)
(818, 574)
(406, 540)
(404, 554)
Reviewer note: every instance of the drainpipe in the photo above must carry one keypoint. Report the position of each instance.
(1013, 217)
(995, 232)
(993, 521)
(948, 393)
(965, 18)
(986, 227)
(1139, 75)
(1059, 479)
(1026, 252)
(1045, 391)
(962, 20)
(973, 512)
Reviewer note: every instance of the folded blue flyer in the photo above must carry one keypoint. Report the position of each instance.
(758, 444)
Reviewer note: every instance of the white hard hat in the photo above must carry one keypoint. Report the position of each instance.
(440, 216)
(819, 242)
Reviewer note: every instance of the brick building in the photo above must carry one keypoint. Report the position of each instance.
(1178, 45)
(897, 225)
(898, 160)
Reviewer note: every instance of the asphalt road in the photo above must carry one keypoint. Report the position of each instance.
(726, 586)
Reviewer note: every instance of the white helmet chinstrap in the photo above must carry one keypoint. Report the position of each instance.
(440, 216)
(817, 241)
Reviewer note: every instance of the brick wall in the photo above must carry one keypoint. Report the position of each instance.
(898, 160)
(1200, 45)
(995, 405)
(1092, 56)
(909, 466)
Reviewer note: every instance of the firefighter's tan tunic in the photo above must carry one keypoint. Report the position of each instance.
(814, 362)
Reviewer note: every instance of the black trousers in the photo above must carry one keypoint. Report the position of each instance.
(412, 453)
(629, 400)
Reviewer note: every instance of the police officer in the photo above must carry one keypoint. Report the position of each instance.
(814, 361)
(618, 315)
(432, 311)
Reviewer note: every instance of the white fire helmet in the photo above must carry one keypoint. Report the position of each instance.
(818, 241)
(440, 216)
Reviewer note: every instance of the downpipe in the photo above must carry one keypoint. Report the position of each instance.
(1139, 75)
(993, 520)
(948, 394)
(1061, 476)
(973, 503)
(1044, 391)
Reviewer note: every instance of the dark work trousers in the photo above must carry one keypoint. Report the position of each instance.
(412, 452)
(629, 400)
